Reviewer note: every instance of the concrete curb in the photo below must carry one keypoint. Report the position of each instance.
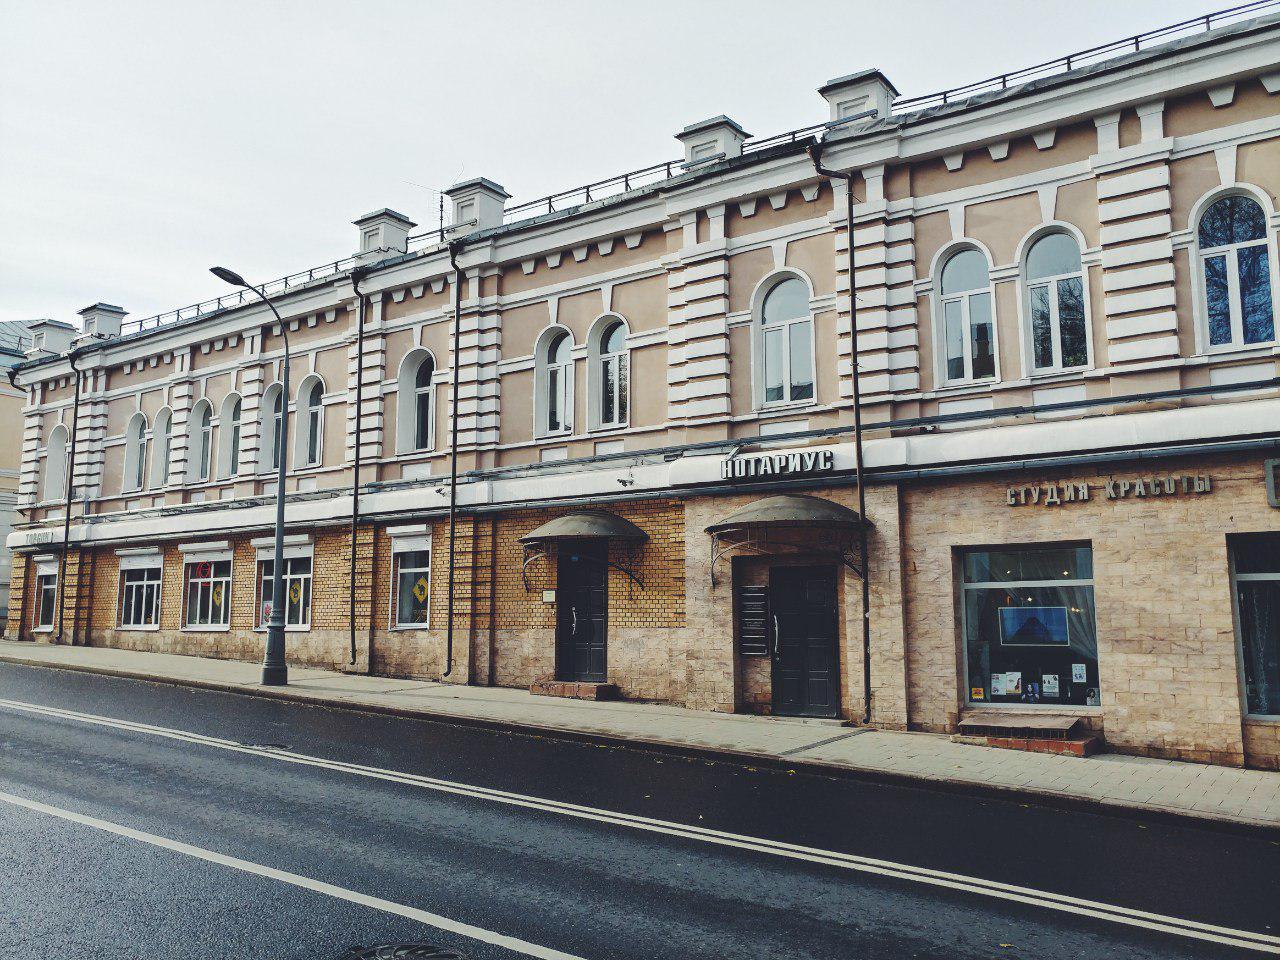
(1044, 798)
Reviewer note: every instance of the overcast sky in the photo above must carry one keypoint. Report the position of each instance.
(142, 142)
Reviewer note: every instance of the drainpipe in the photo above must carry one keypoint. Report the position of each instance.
(357, 275)
(455, 247)
(70, 486)
(815, 154)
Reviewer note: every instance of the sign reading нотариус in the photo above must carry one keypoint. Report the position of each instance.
(778, 465)
(1078, 491)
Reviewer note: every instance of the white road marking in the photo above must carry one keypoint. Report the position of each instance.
(1250, 940)
(513, 944)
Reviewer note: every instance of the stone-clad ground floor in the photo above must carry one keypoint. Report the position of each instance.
(1142, 596)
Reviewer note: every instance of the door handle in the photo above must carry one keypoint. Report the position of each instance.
(775, 634)
(574, 612)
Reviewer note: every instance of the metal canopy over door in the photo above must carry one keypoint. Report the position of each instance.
(802, 601)
(582, 610)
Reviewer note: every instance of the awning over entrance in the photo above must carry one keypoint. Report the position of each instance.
(587, 525)
(592, 525)
(791, 523)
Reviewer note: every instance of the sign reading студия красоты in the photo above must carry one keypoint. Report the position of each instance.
(1078, 491)
(800, 464)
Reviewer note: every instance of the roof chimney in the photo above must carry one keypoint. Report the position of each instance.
(478, 204)
(864, 90)
(718, 137)
(383, 233)
(101, 320)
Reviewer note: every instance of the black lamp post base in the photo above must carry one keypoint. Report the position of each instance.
(275, 676)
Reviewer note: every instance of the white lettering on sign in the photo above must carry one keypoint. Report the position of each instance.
(778, 464)
(1072, 491)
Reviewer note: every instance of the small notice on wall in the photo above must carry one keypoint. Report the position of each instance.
(977, 693)
(1050, 681)
(997, 684)
(1013, 684)
(1078, 674)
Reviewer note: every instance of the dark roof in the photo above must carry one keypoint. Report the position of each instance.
(586, 525)
(790, 510)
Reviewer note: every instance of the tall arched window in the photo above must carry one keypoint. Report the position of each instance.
(200, 447)
(161, 431)
(135, 453)
(787, 343)
(1235, 264)
(310, 423)
(272, 420)
(968, 322)
(55, 465)
(415, 402)
(554, 382)
(1055, 303)
(229, 436)
(609, 373)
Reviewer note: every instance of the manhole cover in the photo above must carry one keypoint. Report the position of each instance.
(402, 951)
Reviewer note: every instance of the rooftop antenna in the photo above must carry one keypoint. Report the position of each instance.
(439, 231)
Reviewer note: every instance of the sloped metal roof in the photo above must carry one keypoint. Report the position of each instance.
(587, 525)
(790, 510)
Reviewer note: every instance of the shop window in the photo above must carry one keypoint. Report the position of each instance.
(140, 597)
(968, 317)
(1235, 269)
(786, 343)
(1029, 627)
(46, 600)
(1055, 304)
(208, 593)
(1257, 575)
(297, 590)
(412, 603)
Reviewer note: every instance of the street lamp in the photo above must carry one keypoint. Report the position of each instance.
(275, 673)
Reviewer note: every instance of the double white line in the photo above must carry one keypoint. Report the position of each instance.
(1249, 940)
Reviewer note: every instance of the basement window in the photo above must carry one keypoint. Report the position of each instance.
(1029, 627)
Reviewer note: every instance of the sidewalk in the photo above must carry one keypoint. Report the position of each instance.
(1225, 794)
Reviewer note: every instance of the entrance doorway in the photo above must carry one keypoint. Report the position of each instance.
(582, 611)
(806, 672)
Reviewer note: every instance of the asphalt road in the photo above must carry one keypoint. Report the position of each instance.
(531, 875)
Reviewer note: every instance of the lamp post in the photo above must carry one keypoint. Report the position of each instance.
(275, 673)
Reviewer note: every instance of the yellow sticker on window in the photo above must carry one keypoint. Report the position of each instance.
(977, 693)
(217, 594)
(420, 589)
(295, 592)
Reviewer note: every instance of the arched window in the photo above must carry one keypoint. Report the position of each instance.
(229, 436)
(310, 423)
(415, 403)
(787, 343)
(968, 322)
(55, 465)
(554, 382)
(161, 431)
(135, 453)
(1055, 303)
(272, 420)
(200, 447)
(1235, 265)
(609, 373)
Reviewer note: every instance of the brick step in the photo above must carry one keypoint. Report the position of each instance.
(574, 690)
(1076, 747)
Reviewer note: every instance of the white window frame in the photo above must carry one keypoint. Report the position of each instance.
(542, 384)
(309, 424)
(161, 447)
(192, 559)
(145, 562)
(760, 328)
(230, 429)
(46, 570)
(407, 394)
(601, 365)
(1024, 301)
(136, 443)
(55, 459)
(265, 555)
(200, 450)
(401, 543)
(1230, 252)
(940, 318)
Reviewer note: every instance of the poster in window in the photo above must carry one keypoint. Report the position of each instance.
(1050, 681)
(1013, 683)
(997, 684)
(1078, 674)
(1033, 627)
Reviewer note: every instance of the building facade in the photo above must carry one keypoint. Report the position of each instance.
(618, 422)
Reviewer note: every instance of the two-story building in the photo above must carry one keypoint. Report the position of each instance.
(618, 423)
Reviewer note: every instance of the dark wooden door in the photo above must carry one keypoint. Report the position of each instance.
(582, 611)
(802, 603)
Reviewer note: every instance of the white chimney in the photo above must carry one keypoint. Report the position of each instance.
(858, 92)
(383, 233)
(478, 204)
(50, 337)
(101, 320)
(717, 137)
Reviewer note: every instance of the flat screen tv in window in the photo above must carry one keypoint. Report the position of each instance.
(1033, 627)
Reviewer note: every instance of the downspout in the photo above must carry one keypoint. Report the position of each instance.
(70, 486)
(455, 248)
(357, 274)
(815, 154)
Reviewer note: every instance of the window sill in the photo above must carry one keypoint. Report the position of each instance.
(1263, 719)
(306, 629)
(1083, 711)
(48, 629)
(785, 406)
(410, 627)
(210, 628)
(141, 629)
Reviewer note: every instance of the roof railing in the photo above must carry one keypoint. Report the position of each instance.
(647, 176)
